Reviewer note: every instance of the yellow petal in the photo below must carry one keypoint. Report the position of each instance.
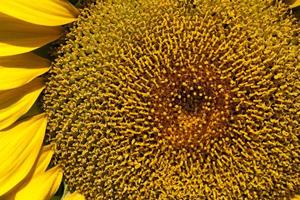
(295, 4)
(46, 12)
(18, 37)
(19, 70)
(16, 102)
(43, 160)
(19, 148)
(296, 197)
(39, 168)
(41, 186)
(74, 196)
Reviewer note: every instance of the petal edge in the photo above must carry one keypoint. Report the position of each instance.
(16, 102)
(18, 70)
(46, 12)
(19, 148)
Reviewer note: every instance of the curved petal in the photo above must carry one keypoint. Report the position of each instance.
(19, 148)
(18, 37)
(74, 196)
(16, 102)
(41, 186)
(19, 70)
(46, 12)
(295, 4)
(296, 197)
(44, 159)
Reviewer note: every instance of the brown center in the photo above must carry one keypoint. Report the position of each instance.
(191, 107)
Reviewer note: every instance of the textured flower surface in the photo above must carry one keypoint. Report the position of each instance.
(175, 99)
(26, 26)
(150, 99)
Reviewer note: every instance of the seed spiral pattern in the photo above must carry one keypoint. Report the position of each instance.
(173, 99)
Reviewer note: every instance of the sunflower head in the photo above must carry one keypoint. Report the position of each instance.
(177, 99)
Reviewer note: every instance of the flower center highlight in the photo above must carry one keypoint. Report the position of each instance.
(174, 99)
(191, 105)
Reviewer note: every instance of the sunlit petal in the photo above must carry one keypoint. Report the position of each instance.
(296, 197)
(74, 196)
(16, 102)
(41, 186)
(295, 4)
(19, 70)
(19, 148)
(46, 12)
(44, 159)
(18, 37)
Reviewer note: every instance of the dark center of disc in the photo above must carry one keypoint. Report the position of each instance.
(192, 99)
(191, 107)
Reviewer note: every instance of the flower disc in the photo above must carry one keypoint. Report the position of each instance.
(173, 99)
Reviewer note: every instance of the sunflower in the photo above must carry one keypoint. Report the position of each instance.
(178, 99)
(151, 99)
(293, 3)
(26, 26)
